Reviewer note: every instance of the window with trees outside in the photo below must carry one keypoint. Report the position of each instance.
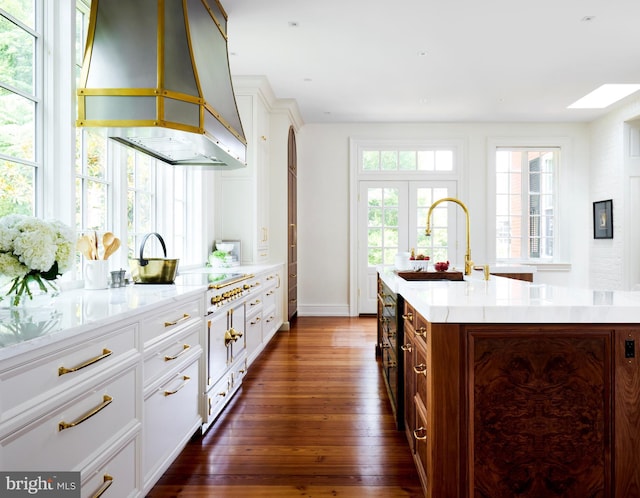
(21, 65)
(525, 202)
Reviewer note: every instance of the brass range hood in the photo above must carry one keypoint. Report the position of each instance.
(156, 77)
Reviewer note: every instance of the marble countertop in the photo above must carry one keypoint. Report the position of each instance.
(45, 319)
(504, 300)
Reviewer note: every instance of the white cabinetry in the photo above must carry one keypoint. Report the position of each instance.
(242, 195)
(171, 379)
(73, 405)
(115, 402)
(264, 311)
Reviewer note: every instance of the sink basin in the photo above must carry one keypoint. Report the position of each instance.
(431, 275)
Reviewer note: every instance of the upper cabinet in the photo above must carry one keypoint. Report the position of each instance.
(242, 196)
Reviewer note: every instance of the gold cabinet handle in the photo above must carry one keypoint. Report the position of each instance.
(293, 300)
(257, 320)
(420, 434)
(106, 401)
(293, 275)
(257, 301)
(175, 322)
(186, 379)
(422, 332)
(108, 481)
(408, 316)
(406, 347)
(235, 335)
(185, 348)
(64, 370)
(420, 369)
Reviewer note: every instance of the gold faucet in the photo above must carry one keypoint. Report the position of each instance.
(468, 264)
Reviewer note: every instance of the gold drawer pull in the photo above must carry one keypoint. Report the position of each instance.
(186, 379)
(185, 348)
(406, 347)
(108, 481)
(257, 320)
(175, 322)
(65, 370)
(293, 275)
(257, 301)
(106, 401)
(420, 434)
(422, 332)
(420, 369)
(408, 316)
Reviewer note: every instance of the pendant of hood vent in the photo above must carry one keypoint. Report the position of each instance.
(156, 77)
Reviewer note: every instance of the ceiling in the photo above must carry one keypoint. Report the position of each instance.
(436, 61)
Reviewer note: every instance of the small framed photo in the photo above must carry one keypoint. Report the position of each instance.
(603, 219)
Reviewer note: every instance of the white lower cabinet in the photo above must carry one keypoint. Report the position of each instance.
(115, 476)
(77, 431)
(170, 418)
(119, 401)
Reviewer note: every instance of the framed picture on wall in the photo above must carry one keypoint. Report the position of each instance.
(603, 219)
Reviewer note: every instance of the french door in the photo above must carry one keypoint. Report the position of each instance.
(392, 217)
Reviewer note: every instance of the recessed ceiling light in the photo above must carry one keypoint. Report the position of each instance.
(604, 96)
(588, 18)
(293, 24)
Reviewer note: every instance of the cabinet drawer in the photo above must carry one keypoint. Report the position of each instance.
(68, 435)
(253, 332)
(170, 416)
(171, 319)
(269, 298)
(42, 379)
(420, 435)
(421, 329)
(420, 371)
(171, 353)
(116, 478)
(254, 304)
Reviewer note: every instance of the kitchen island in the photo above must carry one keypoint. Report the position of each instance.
(514, 389)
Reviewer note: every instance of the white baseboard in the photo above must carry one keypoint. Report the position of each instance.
(324, 310)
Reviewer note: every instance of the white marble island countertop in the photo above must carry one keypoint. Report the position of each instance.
(504, 300)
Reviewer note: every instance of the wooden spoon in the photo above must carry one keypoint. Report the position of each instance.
(107, 240)
(111, 248)
(85, 246)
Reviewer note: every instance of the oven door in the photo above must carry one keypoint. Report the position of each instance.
(217, 349)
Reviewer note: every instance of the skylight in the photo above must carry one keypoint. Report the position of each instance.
(604, 96)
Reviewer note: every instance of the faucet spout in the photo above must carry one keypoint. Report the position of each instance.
(468, 263)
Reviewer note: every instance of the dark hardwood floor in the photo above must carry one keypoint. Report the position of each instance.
(312, 420)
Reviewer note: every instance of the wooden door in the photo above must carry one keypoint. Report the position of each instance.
(292, 243)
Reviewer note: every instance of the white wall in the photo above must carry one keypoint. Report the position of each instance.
(612, 177)
(323, 200)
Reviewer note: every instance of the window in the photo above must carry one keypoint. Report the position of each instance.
(21, 82)
(525, 202)
(407, 160)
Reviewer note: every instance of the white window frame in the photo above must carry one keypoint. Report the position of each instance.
(561, 242)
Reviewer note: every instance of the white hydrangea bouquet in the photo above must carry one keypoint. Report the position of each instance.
(33, 250)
